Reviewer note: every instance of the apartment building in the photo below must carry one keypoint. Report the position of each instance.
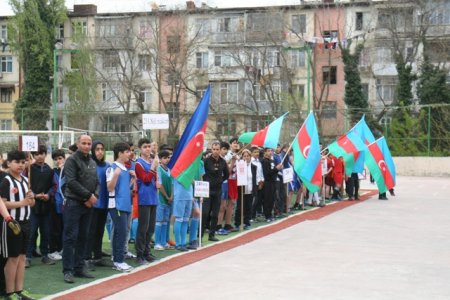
(9, 79)
(260, 62)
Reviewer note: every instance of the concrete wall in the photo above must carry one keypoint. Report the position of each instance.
(423, 166)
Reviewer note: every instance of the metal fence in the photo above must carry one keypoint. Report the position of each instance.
(410, 131)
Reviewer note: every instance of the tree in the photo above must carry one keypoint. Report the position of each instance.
(32, 30)
(80, 81)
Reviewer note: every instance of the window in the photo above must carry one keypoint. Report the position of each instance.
(298, 91)
(144, 62)
(256, 123)
(7, 64)
(258, 93)
(329, 110)
(110, 59)
(145, 29)
(173, 109)
(330, 34)
(298, 58)
(359, 21)
(202, 60)
(224, 25)
(5, 124)
(299, 23)
(225, 92)
(201, 92)
(173, 44)
(329, 75)
(202, 27)
(110, 92)
(386, 90)
(79, 28)
(384, 19)
(4, 33)
(440, 14)
(365, 90)
(59, 94)
(145, 96)
(273, 58)
(221, 59)
(59, 34)
(226, 126)
(5, 95)
(117, 124)
(383, 55)
(107, 30)
(173, 78)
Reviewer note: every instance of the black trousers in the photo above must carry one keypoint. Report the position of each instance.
(145, 230)
(280, 199)
(95, 236)
(352, 185)
(257, 205)
(56, 230)
(248, 198)
(269, 197)
(210, 211)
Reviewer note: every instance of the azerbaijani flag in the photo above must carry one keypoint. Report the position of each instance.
(366, 135)
(267, 137)
(187, 156)
(381, 165)
(348, 146)
(307, 158)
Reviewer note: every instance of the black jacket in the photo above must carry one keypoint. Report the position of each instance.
(216, 172)
(42, 182)
(269, 170)
(80, 172)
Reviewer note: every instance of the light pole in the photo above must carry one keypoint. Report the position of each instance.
(58, 49)
(287, 47)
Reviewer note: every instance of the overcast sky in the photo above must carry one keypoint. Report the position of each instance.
(105, 6)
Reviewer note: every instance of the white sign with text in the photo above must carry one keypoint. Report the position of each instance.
(29, 143)
(288, 175)
(241, 172)
(155, 121)
(201, 189)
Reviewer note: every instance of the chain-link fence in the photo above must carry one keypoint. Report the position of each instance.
(410, 131)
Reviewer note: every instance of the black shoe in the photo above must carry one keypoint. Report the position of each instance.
(83, 274)
(181, 249)
(151, 258)
(68, 278)
(90, 265)
(213, 238)
(47, 261)
(102, 263)
(106, 254)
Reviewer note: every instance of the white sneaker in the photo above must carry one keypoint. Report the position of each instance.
(122, 267)
(55, 256)
(129, 255)
(159, 247)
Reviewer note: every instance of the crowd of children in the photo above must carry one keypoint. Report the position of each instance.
(35, 202)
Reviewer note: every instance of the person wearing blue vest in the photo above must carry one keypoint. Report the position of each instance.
(146, 172)
(119, 179)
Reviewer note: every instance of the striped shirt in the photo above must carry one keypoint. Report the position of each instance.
(15, 190)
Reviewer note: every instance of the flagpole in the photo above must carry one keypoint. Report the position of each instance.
(242, 209)
(200, 225)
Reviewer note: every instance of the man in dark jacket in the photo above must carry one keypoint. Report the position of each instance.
(216, 172)
(270, 171)
(81, 192)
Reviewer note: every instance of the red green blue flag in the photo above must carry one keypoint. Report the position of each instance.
(307, 158)
(267, 137)
(348, 146)
(186, 158)
(366, 135)
(381, 165)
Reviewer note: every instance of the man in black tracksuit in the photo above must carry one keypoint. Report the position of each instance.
(216, 172)
(270, 171)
